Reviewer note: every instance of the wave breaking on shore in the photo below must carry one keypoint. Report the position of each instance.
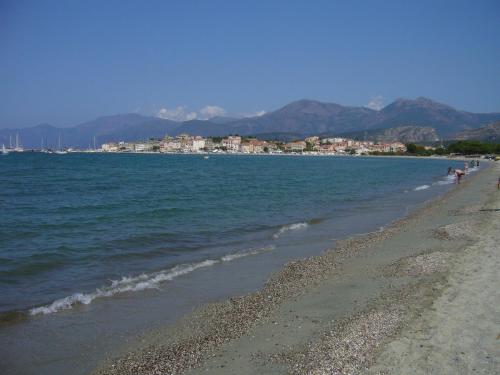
(140, 282)
(289, 227)
(422, 187)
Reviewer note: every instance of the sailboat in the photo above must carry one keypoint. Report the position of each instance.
(41, 146)
(60, 151)
(18, 147)
(4, 150)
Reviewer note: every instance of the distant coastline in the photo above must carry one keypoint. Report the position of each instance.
(313, 145)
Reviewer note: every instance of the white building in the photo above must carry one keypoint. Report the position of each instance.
(198, 144)
(232, 143)
(109, 147)
(142, 147)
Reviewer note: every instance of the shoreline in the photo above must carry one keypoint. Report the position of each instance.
(229, 336)
(461, 158)
(207, 153)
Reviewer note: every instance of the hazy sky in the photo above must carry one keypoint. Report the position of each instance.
(65, 62)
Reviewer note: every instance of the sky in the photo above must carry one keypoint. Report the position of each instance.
(67, 62)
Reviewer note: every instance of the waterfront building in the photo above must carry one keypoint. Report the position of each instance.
(312, 140)
(188, 143)
(171, 145)
(143, 147)
(333, 140)
(232, 143)
(110, 147)
(295, 146)
(327, 149)
(398, 147)
(210, 145)
(253, 146)
(197, 144)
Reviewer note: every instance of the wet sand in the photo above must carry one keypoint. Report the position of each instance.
(418, 297)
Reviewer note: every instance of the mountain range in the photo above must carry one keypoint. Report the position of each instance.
(295, 120)
(488, 133)
(405, 134)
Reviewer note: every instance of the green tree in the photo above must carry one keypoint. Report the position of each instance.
(411, 148)
(472, 147)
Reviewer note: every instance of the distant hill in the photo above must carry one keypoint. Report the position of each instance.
(425, 112)
(281, 137)
(123, 127)
(308, 117)
(295, 120)
(405, 134)
(488, 133)
(222, 119)
(204, 128)
(35, 136)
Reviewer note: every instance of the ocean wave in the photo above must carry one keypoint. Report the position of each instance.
(422, 187)
(138, 283)
(230, 257)
(448, 180)
(290, 227)
(451, 179)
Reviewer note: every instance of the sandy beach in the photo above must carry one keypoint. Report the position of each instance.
(419, 297)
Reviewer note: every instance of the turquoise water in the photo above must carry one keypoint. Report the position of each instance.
(79, 227)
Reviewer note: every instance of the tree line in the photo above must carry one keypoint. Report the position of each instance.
(459, 147)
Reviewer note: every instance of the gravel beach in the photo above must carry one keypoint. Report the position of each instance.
(419, 297)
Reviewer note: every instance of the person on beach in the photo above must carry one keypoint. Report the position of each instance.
(466, 167)
(450, 170)
(458, 174)
(477, 163)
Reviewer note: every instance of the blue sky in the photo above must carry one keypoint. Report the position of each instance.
(65, 62)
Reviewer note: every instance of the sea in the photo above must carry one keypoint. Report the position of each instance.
(96, 249)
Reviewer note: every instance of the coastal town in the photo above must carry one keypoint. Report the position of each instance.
(315, 145)
(244, 145)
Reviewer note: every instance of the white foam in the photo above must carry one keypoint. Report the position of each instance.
(422, 187)
(138, 283)
(63, 303)
(290, 227)
(125, 284)
(230, 257)
(451, 179)
(447, 180)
